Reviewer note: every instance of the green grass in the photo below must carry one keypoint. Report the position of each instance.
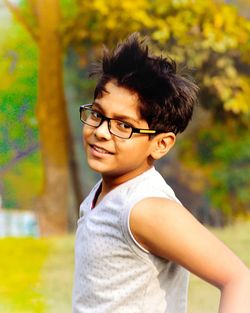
(57, 276)
(36, 275)
(204, 297)
(21, 263)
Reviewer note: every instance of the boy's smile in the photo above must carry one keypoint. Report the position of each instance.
(99, 150)
(115, 158)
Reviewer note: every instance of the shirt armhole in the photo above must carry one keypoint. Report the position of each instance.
(161, 195)
(132, 236)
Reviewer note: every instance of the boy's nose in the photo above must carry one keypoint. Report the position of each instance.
(103, 131)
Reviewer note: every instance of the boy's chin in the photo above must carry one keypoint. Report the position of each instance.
(97, 168)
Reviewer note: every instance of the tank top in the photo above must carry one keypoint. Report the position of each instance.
(113, 273)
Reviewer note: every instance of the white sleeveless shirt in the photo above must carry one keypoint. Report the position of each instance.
(113, 273)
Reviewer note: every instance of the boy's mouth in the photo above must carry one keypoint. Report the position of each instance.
(100, 150)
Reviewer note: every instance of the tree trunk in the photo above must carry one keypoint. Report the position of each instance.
(53, 122)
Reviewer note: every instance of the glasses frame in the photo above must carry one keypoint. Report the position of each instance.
(136, 130)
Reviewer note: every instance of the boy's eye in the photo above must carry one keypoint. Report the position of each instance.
(95, 115)
(122, 125)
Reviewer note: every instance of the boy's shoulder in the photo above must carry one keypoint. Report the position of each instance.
(153, 209)
(149, 184)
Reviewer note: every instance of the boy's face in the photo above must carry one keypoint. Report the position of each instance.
(111, 156)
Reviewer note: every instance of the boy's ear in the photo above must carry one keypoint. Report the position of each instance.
(162, 143)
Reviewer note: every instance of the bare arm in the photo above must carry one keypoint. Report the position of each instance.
(179, 237)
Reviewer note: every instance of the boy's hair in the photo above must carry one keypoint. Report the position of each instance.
(166, 98)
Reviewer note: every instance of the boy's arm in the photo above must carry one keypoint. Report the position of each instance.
(168, 230)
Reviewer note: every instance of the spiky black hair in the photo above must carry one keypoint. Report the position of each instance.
(166, 98)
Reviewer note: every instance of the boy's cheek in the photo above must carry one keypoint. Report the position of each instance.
(83, 131)
(84, 142)
(85, 134)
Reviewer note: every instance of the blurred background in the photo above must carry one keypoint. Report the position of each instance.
(46, 50)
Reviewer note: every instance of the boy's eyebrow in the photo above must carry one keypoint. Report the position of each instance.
(119, 117)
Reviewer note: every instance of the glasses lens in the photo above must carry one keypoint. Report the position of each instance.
(116, 127)
(120, 129)
(90, 117)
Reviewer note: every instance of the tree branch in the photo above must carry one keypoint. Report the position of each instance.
(21, 155)
(33, 7)
(20, 18)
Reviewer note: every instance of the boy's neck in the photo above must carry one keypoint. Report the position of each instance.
(111, 182)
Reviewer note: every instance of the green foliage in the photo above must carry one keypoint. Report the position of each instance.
(18, 125)
(223, 153)
(22, 183)
(18, 92)
(212, 40)
(93, 25)
(210, 37)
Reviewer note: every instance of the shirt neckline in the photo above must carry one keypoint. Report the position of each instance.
(96, 195)
(98, 188)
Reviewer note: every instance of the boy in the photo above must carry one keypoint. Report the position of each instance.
(135, 242)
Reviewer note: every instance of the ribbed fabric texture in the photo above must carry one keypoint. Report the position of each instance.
(113, 274)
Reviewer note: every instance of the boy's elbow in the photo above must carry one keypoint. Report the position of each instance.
(235, 295)
(241, 280)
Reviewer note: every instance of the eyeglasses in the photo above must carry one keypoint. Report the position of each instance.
(116, 127)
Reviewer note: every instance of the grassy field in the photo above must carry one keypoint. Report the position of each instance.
(204, 297)
(36, 274)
